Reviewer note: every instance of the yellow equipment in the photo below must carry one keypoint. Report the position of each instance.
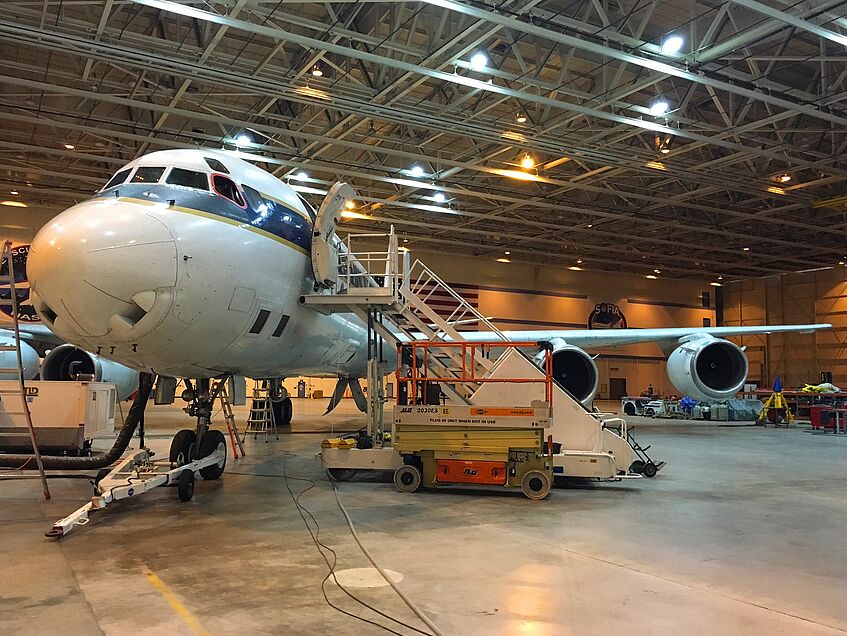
(776, 408)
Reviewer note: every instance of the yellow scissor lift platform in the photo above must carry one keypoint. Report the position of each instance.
(473, 445)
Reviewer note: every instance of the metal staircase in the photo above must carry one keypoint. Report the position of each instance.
(396, 307)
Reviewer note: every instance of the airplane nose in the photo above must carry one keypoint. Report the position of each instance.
(102, 267)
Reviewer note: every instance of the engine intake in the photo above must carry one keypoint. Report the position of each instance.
(708, 368)
(67, 362)
(574, 369)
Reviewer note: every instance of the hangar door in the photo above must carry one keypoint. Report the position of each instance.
(617, 388)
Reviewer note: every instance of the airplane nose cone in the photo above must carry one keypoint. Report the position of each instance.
(100, 267)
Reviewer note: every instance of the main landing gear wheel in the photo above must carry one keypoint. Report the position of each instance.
(341, 474)
(408, 478)
(650, 469)
(185, 485)
(181, 447)
(535, 484)
(213, 441)
(283, 411)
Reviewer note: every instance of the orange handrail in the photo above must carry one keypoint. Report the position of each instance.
(468, 371)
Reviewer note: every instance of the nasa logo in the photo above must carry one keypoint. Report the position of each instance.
(26, 312)
(606, 316)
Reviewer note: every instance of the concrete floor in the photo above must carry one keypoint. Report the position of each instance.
(742, 532)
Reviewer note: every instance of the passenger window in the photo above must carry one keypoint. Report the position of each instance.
(261, 319)
(216, 165)
(188, 178)
(225, 187)
(147, 175)
(118, 179)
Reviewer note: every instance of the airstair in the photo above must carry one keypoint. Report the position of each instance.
(373, 278)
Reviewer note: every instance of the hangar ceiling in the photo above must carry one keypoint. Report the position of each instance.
(739, 176)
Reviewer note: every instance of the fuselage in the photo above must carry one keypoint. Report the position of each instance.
(190, 263)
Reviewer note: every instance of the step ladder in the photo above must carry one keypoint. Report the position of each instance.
(261, 419)
(231, 426)
(7, 277)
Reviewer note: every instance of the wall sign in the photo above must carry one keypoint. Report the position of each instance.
(26, 312)
(606, 316)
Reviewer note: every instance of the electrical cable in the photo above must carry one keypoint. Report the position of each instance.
(315, 535)
(411, 605)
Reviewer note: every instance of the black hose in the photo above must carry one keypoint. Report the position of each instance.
(136, 412)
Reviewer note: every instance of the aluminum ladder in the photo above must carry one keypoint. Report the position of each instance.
(261, 419)
(7, 277)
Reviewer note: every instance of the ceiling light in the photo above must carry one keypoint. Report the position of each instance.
(507, 253)
(785, 178)
(659, 108)
(416, 171)
(665, 151)
(720, 277)
(527, 162)
(70, 146)
(775, 190)
(349, 204)
(347, 214)
(672, 45)
(590, 225)
(656, 165)
(656, 271)
(243, 139)
(841, 262)
(651, 276)
(512, 136)
(579, 261)
(13, 192)
(520, 118)
(14, 204)
(301, 175)
(746, 249)
(715, 284)
(316, 71)
(503, 260)
(405, 240)
(479, 61)
(575, 268)
(439, 197)
(308, 91)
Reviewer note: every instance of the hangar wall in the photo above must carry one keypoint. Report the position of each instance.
(807, 297)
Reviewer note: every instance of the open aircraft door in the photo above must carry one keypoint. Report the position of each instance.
(324, 240)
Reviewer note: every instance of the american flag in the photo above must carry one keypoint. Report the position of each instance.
(445, 305)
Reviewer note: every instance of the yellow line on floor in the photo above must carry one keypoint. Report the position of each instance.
(172, 599)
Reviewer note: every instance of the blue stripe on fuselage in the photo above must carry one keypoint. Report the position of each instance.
(263, 213)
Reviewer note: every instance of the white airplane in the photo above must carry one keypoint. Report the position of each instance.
(190, 264)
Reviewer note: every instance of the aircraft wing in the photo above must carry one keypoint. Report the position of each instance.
(35, 334)
(590, 338)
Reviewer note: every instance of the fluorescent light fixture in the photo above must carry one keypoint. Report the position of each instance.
(14, 204)
(507, 252)
(656, 165)
(14, 192)
(439, 197)
(745, 249)
(775, 190)
(651, 276)
(479, 61)
(841, 262)
(347, 214)
(503, 260)
(308, 91)
(715, 284)
(527, 162)
(416, 171)
(300, 175)
(672, 45)
(519, 175)
(243, 139)
(69, 146)
(513, 136)
(590, 225)
(574, 268)
(659, 108)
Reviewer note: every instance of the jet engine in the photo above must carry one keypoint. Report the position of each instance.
(66, 362)
(9, 360)
(574, 370)
(708, 368)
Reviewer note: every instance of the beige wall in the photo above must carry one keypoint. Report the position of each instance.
(809, 297)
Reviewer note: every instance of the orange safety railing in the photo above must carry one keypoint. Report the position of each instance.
(417, 375)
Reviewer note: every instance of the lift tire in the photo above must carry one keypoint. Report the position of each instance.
(211, 442)
(185, 485)
(650, 470)
(283, 411)
(535, 484)
(180, 453)
(408, 478)
(341, 474)
(637, 467)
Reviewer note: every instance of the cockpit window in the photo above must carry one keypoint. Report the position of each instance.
(225, 187)
(216, 165)
(188, 178)
(148, 174)
(118, 179)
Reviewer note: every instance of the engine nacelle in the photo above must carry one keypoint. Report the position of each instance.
(66, 362)
(9, 360)
(708, 368)
(574, 369)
